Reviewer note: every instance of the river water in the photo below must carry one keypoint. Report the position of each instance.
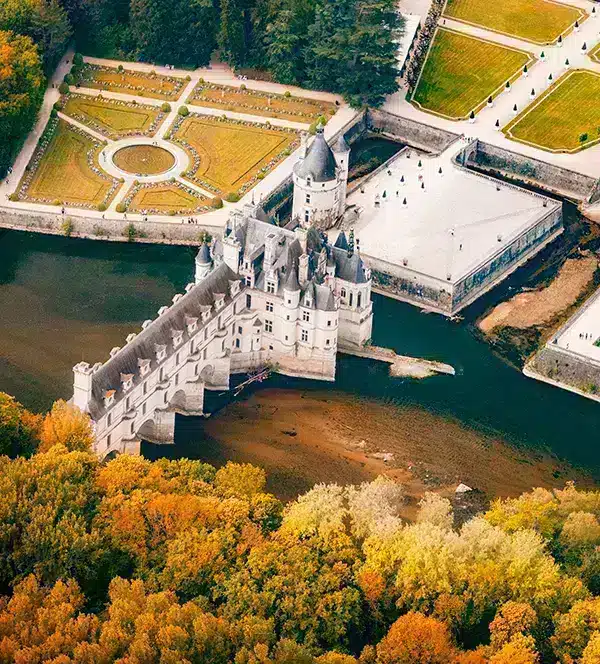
(64, 300)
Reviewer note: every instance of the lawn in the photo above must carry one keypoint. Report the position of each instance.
(539, 21)
(255, 102)
(165, 198)
(461, 72)
(131, 82)
(143, 159)
(227, 156)
(595, 53)
(566, 118)
(61, 173)
(113, 119)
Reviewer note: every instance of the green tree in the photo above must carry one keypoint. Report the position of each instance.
(19, 429)
(231, 37)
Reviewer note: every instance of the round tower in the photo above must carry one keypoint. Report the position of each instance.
(204, 263)
(320, 184)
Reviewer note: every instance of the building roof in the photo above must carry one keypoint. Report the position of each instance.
(158, 333)
(342, 241)
(341, 145)
(319, 163)
(292, 284)
(203, 257)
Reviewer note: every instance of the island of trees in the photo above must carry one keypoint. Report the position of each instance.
(134, 561)
(343, 46)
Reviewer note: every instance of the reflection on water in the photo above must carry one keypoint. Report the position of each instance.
(63, 300)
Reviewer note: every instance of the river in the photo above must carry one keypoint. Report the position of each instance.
(64, 300)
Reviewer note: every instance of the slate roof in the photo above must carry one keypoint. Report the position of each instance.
(203, 257)
(319, 163)
(159, 333)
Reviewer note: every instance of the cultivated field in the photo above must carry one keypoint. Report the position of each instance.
(143, 159)
(113, 119)
(131, 82)
(461, 72)
(63, 174)
(566, 118)
(255, 102)
(165, 198)
(540, 21)
(227, 155)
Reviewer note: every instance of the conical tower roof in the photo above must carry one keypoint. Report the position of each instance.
(292, 284)
(319, 163)
(203, 257)
(341, 145)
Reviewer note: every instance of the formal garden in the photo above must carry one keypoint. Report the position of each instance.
(242, 100)
(539, 21)
(112, 118)
(143, 159)
(462, 72)
(65, 171)
(228, 156)
(127, 81)
(595, 53)
(164, 198)
(566, 118)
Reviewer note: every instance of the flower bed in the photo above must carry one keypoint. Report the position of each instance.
(167, 191)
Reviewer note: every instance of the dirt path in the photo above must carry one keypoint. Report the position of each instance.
(302, 438)
(541, 306)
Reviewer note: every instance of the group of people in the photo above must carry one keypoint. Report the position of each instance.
(190, 220)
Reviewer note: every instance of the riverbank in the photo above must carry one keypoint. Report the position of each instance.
(303, 437)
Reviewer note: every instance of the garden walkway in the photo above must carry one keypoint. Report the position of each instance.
(586, 161)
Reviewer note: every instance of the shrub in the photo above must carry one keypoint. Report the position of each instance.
(78, 59)
(13, 197)
(216, 203)
(130, 232)
(120, 69)
(121, 207)
(583, 138)
(101, 207)
(63, 88)
(232, 197)
(312, 130)
(98, 230)
(166, 107)
(188, 78)
(53, 113)
(243, 87)
(67, 227)
(56, 201)
(261, 176)
(57, 106)
(69, 80)
(287, 94)
(183, 111)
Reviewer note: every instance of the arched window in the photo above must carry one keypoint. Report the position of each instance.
(358, 298)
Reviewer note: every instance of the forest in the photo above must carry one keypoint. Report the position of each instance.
(134, 561)
(342, 46)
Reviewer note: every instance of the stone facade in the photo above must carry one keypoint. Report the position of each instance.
(263, 296)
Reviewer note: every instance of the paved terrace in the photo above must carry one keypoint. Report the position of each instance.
(458, 221)
(581, 332)
(587, 161)
(221, 74)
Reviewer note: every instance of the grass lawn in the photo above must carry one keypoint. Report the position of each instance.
(112, 118)
(461, 72)
(566, 118)
(63, 174)
(255, 102)
(166, 198)
(143, 159)
(132, 82)
(227, 155)
(595, 53)
(539, 21)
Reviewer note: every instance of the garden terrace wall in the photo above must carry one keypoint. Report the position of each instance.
(153, 232)
(411, 132)
(522, 169)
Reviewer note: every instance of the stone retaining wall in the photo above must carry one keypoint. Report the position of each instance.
(560, 181)
(567, 370)
(103, 229)
(416, 134)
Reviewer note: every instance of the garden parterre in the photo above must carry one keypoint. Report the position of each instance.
(127, 81)
(566, 118)
(461, 72)
(64, 170)
(165, 198)
(113, 118)
(539, 21)
(229, 156)
(143, 159)
(255, 102)
(595, 53)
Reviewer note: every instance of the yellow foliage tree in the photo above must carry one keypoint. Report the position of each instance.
(519, 650)
(66, 425)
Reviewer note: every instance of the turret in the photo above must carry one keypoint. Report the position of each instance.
(291, 290)
(82, 384)
(231, 251)
(204, 263)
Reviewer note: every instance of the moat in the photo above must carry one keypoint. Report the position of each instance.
(64, 300)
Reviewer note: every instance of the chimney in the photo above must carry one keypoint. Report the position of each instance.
(303, 269)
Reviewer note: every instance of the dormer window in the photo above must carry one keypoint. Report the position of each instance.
(161, 352)
(109, 398)
(219, 301)
(144, 366)
(191, 324)
(234, 287)
(205, 313)
(177, 337)
(127, 381)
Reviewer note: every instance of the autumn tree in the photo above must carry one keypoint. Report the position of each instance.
(416, 639)
(66, 425)
(19, 429)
